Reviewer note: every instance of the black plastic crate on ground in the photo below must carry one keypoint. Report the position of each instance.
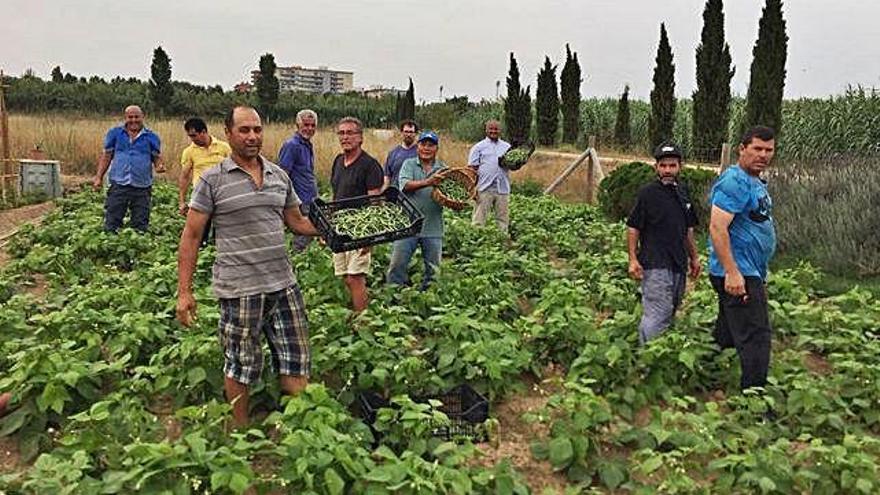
(466, 409)
(321, 212)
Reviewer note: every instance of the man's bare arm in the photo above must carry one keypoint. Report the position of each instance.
(295, 221)
(718, 224)
(187, 255)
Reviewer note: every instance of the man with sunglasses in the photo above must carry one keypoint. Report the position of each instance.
(661, 246)
(742, 241)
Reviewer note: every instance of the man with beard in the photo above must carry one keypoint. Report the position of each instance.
(402, 152)
(661, 244)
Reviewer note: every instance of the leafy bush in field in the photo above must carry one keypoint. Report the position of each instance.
(618, 190)
(827, 211)
(699, 184)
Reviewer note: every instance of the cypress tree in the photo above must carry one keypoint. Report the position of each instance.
(663, 95)
(517, 107)
(547, 104)
(767, 81)
(570, 93)
(160, 81)
(408, 105)
(622, 128)
(57, 75)
(711, 109)
(267, 85)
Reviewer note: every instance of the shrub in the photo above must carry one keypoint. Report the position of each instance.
(827, 212)
(617, 193)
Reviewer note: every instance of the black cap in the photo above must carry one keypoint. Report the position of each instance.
(666, 150)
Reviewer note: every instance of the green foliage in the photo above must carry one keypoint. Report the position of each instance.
(267, 85)
(517, 107)
(161, 89)
(618, 190)
(699, 185)
(471, 125)
(406, 106)
(112, 396)
(826, 211)
(570, 96)
(711, 99)
(767, 80)
(57, 76)
(547, 104)
(663, 94)
(622, 126)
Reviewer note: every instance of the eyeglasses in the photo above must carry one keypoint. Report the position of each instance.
(347, 133)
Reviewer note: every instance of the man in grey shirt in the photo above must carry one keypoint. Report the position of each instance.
(493, 182)
(250, 200)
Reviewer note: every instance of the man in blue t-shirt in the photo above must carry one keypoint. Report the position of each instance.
(742, 241)
(131, 151)
(401, 153)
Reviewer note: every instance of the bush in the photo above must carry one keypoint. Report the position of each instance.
(527, 187)
(827, 212)
(471, 126)
(617, 193)
(699, 183)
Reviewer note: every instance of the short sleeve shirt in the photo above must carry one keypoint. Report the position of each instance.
(297, 158)
(360, 176)
(395, 160)
(248, 228)
(752, 231)
(422, 198)
(490, 175)
(132, 162)
(201, 158)
(662, 215)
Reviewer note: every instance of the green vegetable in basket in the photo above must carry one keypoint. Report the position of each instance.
(516, 156)
(454, 190)
(358, 223)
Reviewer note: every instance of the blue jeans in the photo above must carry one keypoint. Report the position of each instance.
(402, 253)
(662, 292)
(120, 199)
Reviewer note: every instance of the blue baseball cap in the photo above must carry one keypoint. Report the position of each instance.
(430, 136)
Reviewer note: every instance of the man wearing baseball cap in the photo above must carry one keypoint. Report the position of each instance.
(418, 176)
(661, 243)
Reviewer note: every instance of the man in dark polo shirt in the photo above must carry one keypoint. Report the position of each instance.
(661, 243)
(354, 173)
(250, 201)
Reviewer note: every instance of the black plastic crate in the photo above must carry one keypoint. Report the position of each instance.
(320, 217)
(466, 409)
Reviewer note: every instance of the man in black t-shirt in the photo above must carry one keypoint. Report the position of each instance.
(661, 243)
(354, 173)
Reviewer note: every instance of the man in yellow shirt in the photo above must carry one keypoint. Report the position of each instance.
(205, 152)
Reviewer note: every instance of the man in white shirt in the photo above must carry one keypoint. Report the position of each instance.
(493, 182)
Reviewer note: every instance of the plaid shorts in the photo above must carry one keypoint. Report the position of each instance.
(281, 317)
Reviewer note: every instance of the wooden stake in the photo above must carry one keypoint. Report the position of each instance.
(4, 138)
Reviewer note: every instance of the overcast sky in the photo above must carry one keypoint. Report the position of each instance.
(461, 45)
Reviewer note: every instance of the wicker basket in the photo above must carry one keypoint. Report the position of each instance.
(463, 175)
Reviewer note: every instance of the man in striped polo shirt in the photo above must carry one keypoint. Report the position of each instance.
(250, 200)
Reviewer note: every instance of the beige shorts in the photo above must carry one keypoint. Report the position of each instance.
(351, 263)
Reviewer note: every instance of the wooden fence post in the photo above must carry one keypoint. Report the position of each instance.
(725, 156)
(591, 178)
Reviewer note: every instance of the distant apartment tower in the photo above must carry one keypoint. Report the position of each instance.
(320, 80)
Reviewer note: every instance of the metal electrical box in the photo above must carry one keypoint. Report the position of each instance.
(40, 177)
